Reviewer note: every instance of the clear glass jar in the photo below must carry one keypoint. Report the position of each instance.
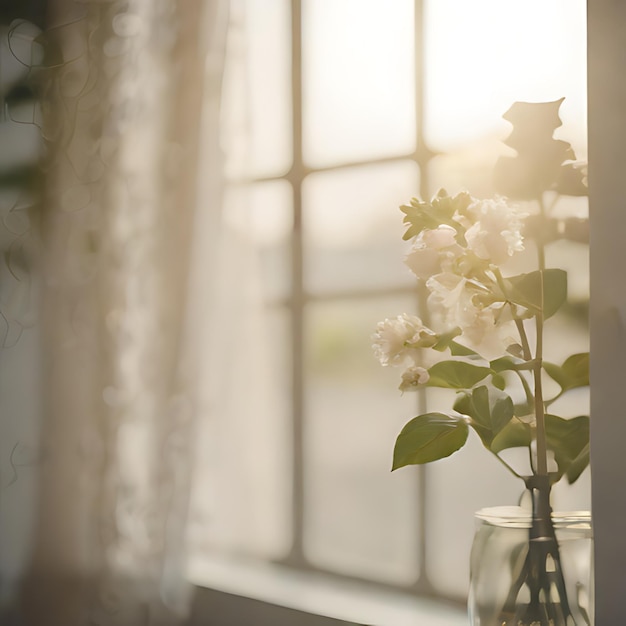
(510, 587)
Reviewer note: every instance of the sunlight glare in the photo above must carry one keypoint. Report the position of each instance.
(484, 55)
(358, 71)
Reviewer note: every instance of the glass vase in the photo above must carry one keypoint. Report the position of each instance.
(518, 580)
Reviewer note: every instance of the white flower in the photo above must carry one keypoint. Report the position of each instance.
(413, 377)
(456, 301)
(397, 341)
(449, 299)
(496, 234)
(433, 251)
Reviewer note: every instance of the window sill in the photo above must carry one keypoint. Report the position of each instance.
(315, 594)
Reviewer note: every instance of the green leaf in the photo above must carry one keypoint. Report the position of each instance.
(445, 341)
(508, 363)
(571, 181)
(457, 349)
(500, 408)
(456, 374)
(498, 381)
(53, 56)
(479, 406)
(490, 410)
(526, 290)
(503, 364)
(447, 205)
(572, 374)
(463, 404)
(516, 350)
(428, 438)
(523, 409)
(537, 166)
(578, 466)
(567, 438)
(515, 434)
(420, 215)
(25, 176)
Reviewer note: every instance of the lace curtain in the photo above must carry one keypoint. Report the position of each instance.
(129, 117)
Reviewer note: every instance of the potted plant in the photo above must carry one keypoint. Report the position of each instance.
(484, 339)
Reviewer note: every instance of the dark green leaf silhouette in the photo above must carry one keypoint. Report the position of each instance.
(542, 162)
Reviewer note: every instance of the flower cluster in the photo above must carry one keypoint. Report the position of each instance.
(458, 246)
(398, 342)
(478, 339)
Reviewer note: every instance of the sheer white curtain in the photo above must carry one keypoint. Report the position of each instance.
(241, 492)
(131, 105)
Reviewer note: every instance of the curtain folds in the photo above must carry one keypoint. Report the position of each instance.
(130, 109)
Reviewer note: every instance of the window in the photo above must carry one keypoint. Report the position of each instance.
(356, 106)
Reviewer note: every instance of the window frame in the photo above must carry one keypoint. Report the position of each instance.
(607, 163)
(606, 131)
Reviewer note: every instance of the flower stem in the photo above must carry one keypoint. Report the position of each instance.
(529, 394)
(542, 448)
(523, 338)
(547, 604)
(541, 249)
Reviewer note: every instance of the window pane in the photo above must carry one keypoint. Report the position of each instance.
(482, 56)
(574, 258)
(358, 70)
(468, 168)
(360, 518)
(457, 487)
(268, 44)
(353, 227)
(260, 217)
